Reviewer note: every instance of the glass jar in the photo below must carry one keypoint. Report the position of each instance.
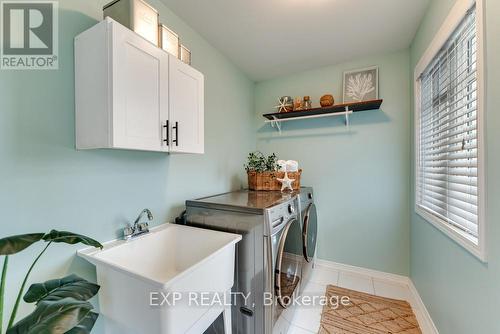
(307, 104)
(297, 104)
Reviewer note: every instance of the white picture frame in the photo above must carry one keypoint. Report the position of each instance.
(360, 85)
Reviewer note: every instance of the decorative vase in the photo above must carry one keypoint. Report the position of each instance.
(327, 101)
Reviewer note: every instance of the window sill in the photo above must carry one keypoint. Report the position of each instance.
(470, 243)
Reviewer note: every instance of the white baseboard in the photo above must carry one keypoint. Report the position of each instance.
(424, 319)
(364, 271)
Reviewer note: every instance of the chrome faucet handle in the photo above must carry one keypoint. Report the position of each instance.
(143, 227)
(128, 232)
(138, 228)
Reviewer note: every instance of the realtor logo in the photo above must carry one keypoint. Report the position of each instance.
(29, 35)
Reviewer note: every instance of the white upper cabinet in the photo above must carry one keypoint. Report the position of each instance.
(140, 91)
(186, 108)
(128, 98)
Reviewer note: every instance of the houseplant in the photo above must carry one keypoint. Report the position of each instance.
(61, 305)
(263, 172)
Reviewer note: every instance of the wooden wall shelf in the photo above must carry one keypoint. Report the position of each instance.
(337, 110)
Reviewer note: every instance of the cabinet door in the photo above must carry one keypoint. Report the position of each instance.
(140, 92)
(186, 101)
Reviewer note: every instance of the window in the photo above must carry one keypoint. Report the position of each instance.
(449, 175)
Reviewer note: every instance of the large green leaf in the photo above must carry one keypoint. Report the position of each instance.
(17, 243)
(55, 289)
(53, 317)
(86, 325)
(2, 288)
(70, 238)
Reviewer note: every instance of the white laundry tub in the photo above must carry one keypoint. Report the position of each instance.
(190, 266)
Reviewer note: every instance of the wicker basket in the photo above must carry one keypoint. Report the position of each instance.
(268, 180)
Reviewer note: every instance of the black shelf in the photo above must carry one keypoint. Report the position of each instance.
(336, 109)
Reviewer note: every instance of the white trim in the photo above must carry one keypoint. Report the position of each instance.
(424, 319)
(456, 15)
(400, 279)
(481, 121)
(423, 316)
(454, 233)
(451, 22)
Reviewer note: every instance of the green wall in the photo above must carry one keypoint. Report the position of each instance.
(360, 175)
(461, 293)
(45, 183)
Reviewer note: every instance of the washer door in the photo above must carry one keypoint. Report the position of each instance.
(309, 232)
(288, 269)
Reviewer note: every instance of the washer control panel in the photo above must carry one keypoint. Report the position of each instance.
(277, 216)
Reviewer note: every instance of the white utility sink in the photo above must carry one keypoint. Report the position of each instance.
(191, 265)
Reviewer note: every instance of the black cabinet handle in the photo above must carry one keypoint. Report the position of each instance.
(167, 139)
(176, 140)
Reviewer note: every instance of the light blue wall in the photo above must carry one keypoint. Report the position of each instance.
(461, 293)
(360, 175)
(45, 183)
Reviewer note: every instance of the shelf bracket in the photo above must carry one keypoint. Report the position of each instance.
(347, 112)
(275, 123)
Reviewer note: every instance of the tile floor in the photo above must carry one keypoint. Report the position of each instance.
(306, 319)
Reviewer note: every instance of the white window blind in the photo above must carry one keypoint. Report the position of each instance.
(447, 168)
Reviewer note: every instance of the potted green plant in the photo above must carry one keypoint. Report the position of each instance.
(258, 162)
(263, 172)
(61, 305)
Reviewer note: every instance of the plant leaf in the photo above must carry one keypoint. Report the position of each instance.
(70, 238)
(85, 326)
(17, 243)
(56, 289)
(2, 289)
(53, 317)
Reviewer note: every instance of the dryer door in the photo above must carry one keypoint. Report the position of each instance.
(309, 232)
(288, 271)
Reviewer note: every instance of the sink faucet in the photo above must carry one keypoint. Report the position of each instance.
(138, 228)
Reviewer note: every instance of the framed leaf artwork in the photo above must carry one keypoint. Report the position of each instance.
(361, 85)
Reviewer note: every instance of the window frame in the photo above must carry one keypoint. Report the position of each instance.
(452, 21)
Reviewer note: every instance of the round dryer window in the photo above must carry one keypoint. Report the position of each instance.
(309, 232)
(288, 263)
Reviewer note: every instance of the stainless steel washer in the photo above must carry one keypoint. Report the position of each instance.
(269, 257)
